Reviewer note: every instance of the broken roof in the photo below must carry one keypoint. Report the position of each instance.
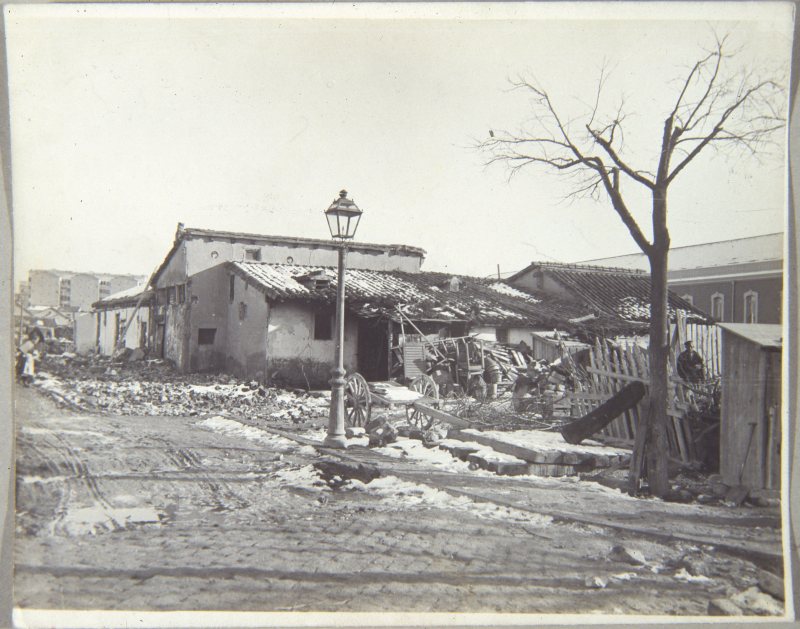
(621, 292)
(124, 298)
(422, 296)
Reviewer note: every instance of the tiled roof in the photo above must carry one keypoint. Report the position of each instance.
(420, 296)
(618, 292)
(624, 293)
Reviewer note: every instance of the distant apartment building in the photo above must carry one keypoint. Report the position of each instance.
(23, 296)
(75, 290)
(735, 281)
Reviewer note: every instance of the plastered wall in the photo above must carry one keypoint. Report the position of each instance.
(292, 353)
(202, 254)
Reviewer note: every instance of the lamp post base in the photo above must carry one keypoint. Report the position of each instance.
(335, 441)
(335, 437)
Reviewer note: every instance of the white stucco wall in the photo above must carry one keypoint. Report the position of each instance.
(291, 347)
(202, 254)
(84, 331)
(107, 321)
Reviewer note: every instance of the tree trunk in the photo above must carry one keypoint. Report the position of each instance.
(657, 443)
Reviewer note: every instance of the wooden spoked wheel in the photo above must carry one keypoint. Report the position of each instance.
(426, 386)
(356, 400)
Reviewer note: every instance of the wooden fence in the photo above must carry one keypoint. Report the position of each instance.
(706, 340)
(611, 367)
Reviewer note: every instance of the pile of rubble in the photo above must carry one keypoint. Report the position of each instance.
(153, 387)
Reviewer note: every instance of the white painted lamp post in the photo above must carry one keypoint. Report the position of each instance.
(343, 217)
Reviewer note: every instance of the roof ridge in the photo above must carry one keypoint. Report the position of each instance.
(199, 231)
(577, 266)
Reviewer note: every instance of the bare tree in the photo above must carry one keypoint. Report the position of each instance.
(714, 108)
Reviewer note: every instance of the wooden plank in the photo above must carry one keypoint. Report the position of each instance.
(586, 426)
(613, 361)
(617, 376)
(441, 415)
(627, 419)
(552, 457)
(634, 413)
(585, 395)
(602, 383)
(594, 381)
(774, 461)
(680, 439)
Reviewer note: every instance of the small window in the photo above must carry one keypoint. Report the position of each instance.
(501, 334)
(205, 336)
(323, 326)
(231, 288)
(751, 307)
(718, 306)
(182, 293)
(688, 299)
(242, 311)
(252, 255)
(172, 295)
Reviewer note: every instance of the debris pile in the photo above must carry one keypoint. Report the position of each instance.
(153, 387)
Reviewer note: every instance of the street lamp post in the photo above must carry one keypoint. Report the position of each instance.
(343, 216)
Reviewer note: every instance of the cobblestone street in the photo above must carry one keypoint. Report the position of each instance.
(158, 513)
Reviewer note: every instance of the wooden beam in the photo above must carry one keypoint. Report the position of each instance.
(441, 415)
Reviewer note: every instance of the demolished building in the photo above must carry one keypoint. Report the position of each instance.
(261, 307)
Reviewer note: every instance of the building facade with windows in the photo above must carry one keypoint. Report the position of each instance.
(734, 281)
(75, 291)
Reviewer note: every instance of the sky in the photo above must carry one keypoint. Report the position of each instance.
(126, 120)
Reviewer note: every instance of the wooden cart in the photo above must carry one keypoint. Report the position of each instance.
(420, 399)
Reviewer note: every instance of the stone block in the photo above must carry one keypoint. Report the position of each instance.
(723, 607)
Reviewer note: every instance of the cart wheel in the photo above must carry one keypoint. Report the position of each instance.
(425, 385)
(356, 400)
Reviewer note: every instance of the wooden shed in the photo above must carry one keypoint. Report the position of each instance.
(750, 429)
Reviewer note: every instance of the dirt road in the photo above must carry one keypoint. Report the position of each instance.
(197, 513)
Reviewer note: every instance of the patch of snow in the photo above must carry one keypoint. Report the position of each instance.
(233, 428)
(95, 519)
(505, 289)
(683, 575)
(35, 430)
(305, 477)
(541, 440)
(759, 602)
(30, 480)
(633, 308)
(404, 494)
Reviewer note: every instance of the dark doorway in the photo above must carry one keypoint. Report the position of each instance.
(373, 351)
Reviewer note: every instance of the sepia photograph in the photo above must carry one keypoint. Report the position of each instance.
(400, 314)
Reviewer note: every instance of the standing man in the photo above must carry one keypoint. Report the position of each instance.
(690, 364)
